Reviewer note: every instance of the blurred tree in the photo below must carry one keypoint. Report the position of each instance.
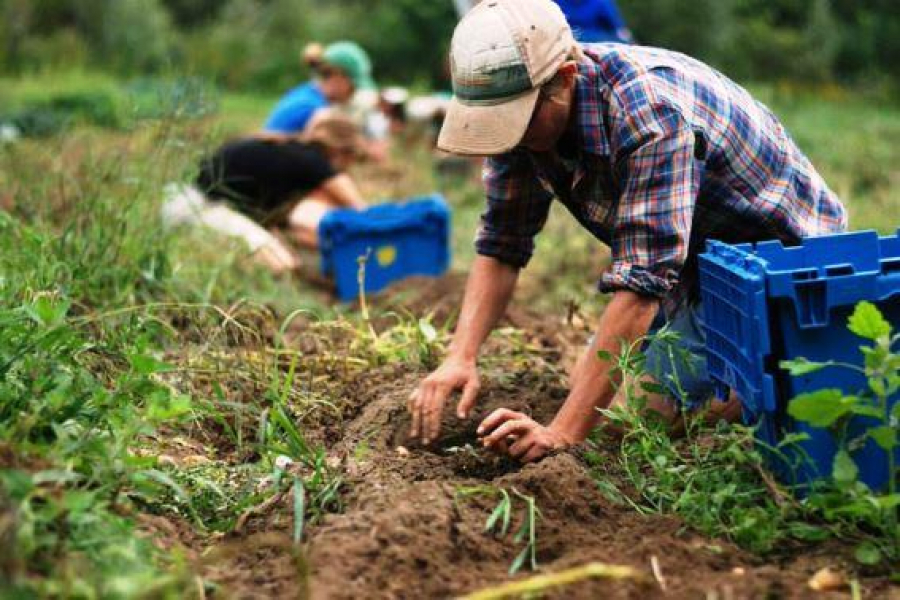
(252, 44)
(15, 25)
(702, 28)
(256, 43)
(189, 14)
(136, 35)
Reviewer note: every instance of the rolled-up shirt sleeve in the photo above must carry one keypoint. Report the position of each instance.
(659, 178)
(517, 209)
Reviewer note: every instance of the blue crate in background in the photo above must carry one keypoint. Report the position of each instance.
(394, 240)
(765, 303)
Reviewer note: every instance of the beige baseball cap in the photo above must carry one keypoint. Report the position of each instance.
(501, 53)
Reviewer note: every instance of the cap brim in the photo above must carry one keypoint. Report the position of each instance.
(478, 130)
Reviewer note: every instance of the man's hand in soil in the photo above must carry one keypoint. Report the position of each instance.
(518, 435)
(426, 403)
(488, 290)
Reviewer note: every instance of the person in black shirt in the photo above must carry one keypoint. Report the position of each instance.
(250, 185)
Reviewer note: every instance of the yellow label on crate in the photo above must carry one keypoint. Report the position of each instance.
(386, 255)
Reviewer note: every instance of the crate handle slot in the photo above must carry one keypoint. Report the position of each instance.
(811, 305)
(890, 265)
(839, 270)
(805, 275)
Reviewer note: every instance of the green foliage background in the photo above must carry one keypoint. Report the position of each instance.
(255, 44)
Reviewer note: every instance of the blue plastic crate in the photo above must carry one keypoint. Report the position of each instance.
(394, 240)
(764, 303)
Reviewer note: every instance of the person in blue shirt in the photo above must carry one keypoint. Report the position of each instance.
(341, 70)
(594, 21)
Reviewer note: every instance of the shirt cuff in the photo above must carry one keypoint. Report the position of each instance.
(639, 280)
(508, 251)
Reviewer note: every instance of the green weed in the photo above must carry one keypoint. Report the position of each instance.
(499, 521)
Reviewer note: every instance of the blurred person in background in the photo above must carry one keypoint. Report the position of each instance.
(591, 21)
(342, 69)
(595, 21)
(252, 186)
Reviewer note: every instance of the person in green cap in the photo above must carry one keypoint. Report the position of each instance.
(342, 69)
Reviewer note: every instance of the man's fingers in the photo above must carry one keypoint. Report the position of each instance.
(522, 446)
(497, 417)
(433, 413)
(470, 392)
(413, 407)
(536, 452)
(424, 403)
(513, 427)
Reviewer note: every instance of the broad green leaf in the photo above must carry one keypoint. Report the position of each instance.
(820, 408)
(17, 484)
(48, 310)
(652, 387)
(605, 355)
(145, 364)
(885, 436)
(876, 384)
(809, 533)
(77, 501)
(801, 366)
(844, 470)
(888, 502)
(867, 410)
(868, 322)
(163, 407)
(867, 553)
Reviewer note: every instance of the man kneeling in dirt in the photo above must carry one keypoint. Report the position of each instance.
(653, 153)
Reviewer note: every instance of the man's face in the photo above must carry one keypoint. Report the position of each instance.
(549, 120)
(335, 84)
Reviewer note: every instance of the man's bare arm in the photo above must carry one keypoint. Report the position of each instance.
(488, 292)
(627, 318)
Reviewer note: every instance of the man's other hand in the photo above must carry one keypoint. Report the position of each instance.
(518, 435)
(426, 403)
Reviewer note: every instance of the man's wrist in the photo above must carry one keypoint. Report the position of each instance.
(460, 354)
(567, 437)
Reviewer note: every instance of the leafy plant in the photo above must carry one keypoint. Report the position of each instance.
(847, 498)
(713, 477)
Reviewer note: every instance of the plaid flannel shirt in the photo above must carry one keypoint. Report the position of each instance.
(664, 153)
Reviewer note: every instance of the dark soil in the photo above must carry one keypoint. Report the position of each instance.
(413, 524)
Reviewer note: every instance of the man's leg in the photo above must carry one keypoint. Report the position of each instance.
(676, 367)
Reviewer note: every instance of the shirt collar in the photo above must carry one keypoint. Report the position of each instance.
(590, 104)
